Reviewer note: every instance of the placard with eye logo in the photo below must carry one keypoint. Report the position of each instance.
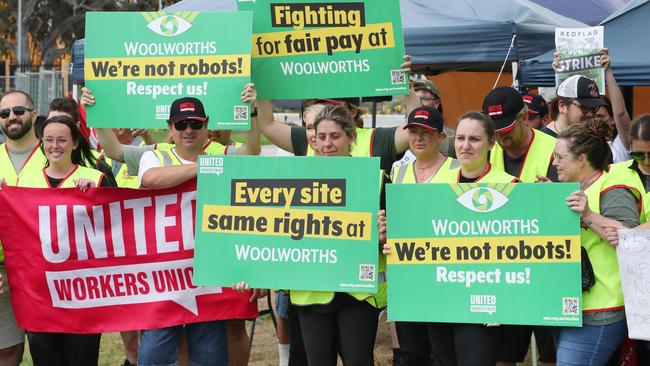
(506, 253)
(137, 64)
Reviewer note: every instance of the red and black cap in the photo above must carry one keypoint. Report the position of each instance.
(187, 109)
(536, 104)
(427, 118)
(502, 105)
(581, 88)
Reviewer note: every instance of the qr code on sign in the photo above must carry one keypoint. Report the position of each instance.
(570, 306)
(241, 113)
(366, 272)
(397, 77)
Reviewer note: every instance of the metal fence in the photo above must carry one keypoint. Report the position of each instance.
(42, 85)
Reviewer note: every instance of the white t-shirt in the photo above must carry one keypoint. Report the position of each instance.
(150, 160)
(619, 152)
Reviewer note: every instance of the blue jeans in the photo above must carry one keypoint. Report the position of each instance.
(282, 305)
(207, 345)
(589, 345)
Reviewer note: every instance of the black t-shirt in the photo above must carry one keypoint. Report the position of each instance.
(464, 179)
(54, 182)
(513, 166)
(548, 131)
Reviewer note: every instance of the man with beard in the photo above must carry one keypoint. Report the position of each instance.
(527, 154)
(520, 150)
(19, 154)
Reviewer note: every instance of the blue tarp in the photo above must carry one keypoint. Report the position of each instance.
(590, 12)
(627, 37)
(444, 35)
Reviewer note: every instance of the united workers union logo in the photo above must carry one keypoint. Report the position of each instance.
(483, 199)
(169, 25)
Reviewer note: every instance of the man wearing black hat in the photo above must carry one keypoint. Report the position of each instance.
(526, 154)
(520, 150)
(537, 110)
(188, 128)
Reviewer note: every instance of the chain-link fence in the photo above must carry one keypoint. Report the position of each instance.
(42, 84)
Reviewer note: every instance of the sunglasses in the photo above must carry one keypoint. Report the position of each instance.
(639, 155)
(182, 125)
(18, 111)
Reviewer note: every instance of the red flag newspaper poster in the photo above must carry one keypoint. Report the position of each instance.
(107, 260)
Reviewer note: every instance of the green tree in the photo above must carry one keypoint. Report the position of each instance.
(50, 22)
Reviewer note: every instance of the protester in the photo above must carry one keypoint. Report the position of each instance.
(613, 111)
(520, 150)
(385, 143)
(426, 93)
(425, 127)
(455, 343)
(636, 173)
(527, 154)
(577, 100)
(163, 169)
(68, 107)
(18, 155)
(331, 320)
(473, 143)
(207, 343)
(67, 152)
(581, 155)
(538, 116)
(238, 344)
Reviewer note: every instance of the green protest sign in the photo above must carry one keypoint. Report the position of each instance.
(288, 222)
(306, 49)
(483, 253)
(137, 64)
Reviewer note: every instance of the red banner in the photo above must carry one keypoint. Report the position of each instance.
(107, 260)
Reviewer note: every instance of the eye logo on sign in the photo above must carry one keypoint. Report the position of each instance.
(482, 199)
(169, 25)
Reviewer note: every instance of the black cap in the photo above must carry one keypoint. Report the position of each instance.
(187, 108)
(502, 105)
(536, 104)
(581, 88)
(427, 118)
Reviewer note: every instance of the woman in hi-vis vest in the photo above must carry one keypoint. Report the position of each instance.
(338, 321)
(636, 173)
(581, 155)
(425, 130)
(458, 343)
(67, 153)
